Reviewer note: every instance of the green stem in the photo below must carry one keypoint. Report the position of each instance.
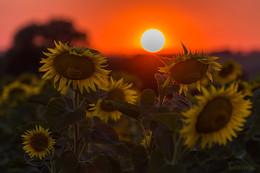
(82, 149)
(76, 138)
(72, 94)
(161, 101)
(52, 163)
(177, 148)
(144, 134)
(47, 166)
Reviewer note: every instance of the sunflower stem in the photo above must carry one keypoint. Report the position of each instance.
(144, 134)
(161, 101)
(76, 138)
(82, 149)
(177, 148)
(52, 163)
(49, 168)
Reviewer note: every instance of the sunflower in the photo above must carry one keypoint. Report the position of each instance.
(229, 72)
(16, 91)
(219, 113)
(28, 78)
(116, 90)
(76, 67)
(187, 68)
(245, 88)
(38, 142)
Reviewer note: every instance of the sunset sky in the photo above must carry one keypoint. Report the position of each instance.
(116, 26)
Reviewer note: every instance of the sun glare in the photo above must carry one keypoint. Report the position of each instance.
(152, 40)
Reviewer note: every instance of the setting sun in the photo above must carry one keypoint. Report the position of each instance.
(152, 40)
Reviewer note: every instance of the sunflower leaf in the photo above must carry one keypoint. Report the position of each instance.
(126, 108)
(184, 49)
(169, 167)
(169, 120)
(157, 161)
(139, 159)
(106, 164)
(54, 109)
(164, 91)
(147, 103)
(165, 60)
(68, 162)
(103, 133)
(255, 117)
(66, 119)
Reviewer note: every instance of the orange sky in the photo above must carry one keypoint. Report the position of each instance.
(116, 26)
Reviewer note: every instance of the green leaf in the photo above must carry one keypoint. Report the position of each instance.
(66, 119)
(68, 162)
(184, 49)
(165, 60)
(148, 98)
(157, 161)
(169, 120)
(164, 140)
(147, 103)
(45, 96)
(255, 117)
(166, 90)
(54, 109)
(253, 149)
(107, 164)
(103, 133)
(93, 96)
(178, 168)
(126, 108)
(139, 159)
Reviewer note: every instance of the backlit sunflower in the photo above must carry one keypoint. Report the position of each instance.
(116, 90)
(219, 113)
(38, 142)
(76, 67)
(229, 72)
(16, 91)
(188, 68)
(244, 88)
(28, 78)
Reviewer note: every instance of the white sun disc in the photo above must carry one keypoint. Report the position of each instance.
(152, 40)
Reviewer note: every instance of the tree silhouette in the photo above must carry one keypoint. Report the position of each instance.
(29, 42)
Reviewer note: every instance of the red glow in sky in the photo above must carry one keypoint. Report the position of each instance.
(116, 26)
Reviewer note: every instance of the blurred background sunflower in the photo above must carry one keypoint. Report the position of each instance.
(230, 71)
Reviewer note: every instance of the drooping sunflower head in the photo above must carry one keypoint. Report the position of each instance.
(229, 72)
(74, 66)
(116, 90)
(16, 91)
(37, 142)
(188, 68)
(217, 117)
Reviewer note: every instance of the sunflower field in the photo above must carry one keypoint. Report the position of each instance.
(203, 117)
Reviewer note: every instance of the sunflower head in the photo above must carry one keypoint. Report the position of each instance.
(15, 92)
(37, 142)
(219, 113)
(229, 72)
(116, 90)
(74, 67)
(28, 78)
(245, 88)
(188, 68)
